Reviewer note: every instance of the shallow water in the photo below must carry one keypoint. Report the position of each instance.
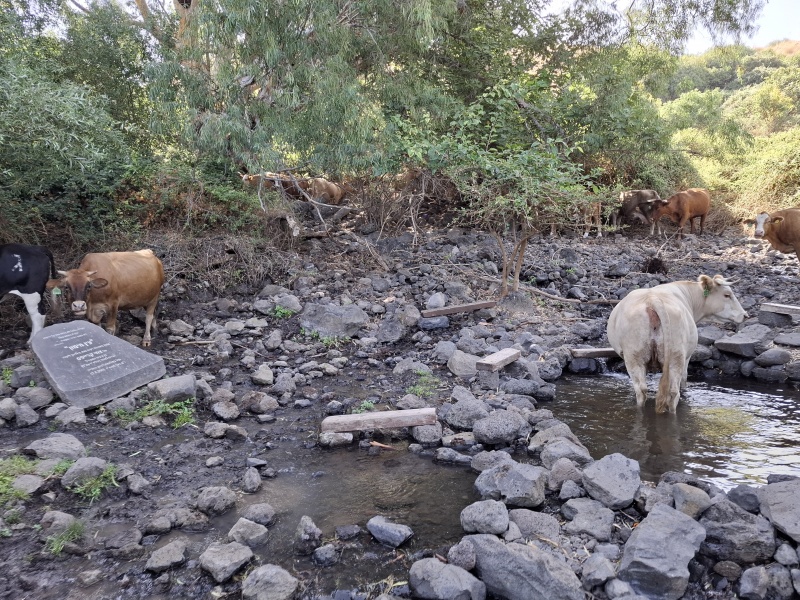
(737, 433)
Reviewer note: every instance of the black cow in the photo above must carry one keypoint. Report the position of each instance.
(24, 271)
(636, 204)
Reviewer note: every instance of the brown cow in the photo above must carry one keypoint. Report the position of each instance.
(107, 282)
(592, 214)
(635, 204)
(682, 207)
(781, 229)
(325, 191)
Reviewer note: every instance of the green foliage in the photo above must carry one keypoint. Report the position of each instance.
(426, 386)
(91, 489)
(7, 373)
(73, 532)
(365, 406)
(281, 312)
(9, 469)
(183, 412)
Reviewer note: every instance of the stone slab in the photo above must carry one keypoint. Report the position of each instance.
(498, 360)
(88, 367)
(382, 419)
(457, 308)
(783, 309)
(593, 352)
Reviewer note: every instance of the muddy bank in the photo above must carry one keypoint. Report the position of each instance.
(339, 334)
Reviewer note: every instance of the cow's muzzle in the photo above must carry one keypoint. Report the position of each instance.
(758, 234)
(79, 308)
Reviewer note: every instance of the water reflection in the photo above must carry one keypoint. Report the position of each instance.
(729, 435)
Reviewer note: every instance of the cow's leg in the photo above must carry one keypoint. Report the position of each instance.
(638, 375)
(599, 223)
(149, 322)
(552, 229)
(702, 222)
(33, 304)
(111, 322)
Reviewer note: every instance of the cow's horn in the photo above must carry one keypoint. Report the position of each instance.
(62, 273)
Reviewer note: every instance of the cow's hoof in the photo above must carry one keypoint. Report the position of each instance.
(145, 344)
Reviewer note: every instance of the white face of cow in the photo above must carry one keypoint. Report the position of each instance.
(720, 302)
(761, 221)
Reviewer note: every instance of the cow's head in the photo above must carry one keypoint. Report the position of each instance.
(719, 301)
(761, 221)
(77, 283)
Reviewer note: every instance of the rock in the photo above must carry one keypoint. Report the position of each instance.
(25, 416)
(249, 533)
(166, 557)
(773, 356)
(534, 525)
(29, 484)
(656, 557)
(521, 572)
(562, 470)
(778, 503)
(386, 532)
(748, 342)
(173, 389)
(589, 517)
(251, 482)
(690, 500)
(597, 569)
(462, 364)
(307, 536)
(500, 427)
(263, 375)
(72, 414)
(771, 319)
(735, 534)
(746, 496)
(562, 447)
(82, 470)
(261, 513)
(612, 480)
(517, 484)
(486, 460)
(486, 516)
(330, 320)
(431, 323)
(462, 555)
(466, 412)
(226, 411)
(223, 560)
(434, 580)
(269, 582)
(427, 435)
(35, 397)
(325, 555)
(58, 446)
(215, 500)
(330, 439)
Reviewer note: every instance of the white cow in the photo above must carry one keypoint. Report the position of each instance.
(655, 328)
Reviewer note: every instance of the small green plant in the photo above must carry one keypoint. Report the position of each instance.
(55, 543)
(5, 532)
(365, 406)
(9, 469)
(426, 384)
(61, 467)
(7, 373)
(334, 341)
(183, 412)
(13, 517)
(281, 312)
(93, 488)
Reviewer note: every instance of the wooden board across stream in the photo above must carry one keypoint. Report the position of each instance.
(377, 420)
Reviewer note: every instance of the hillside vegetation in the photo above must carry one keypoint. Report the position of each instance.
(117, 121)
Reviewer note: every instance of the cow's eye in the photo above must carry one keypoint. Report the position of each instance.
(727, 295)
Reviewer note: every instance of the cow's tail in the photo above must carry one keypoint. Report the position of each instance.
(56, 305)
(663, 395)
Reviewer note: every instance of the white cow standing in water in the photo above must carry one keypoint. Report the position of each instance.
(655, 329)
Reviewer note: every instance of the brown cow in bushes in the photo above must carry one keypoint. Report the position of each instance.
(682, 207)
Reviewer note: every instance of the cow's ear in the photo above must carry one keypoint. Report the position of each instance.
(52, 283)
(776, 219)
(749, 222)
(99, 282)
(706, 283)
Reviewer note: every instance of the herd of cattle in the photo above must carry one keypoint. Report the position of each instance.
(650, 329)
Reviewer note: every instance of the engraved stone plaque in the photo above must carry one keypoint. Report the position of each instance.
(87, 366)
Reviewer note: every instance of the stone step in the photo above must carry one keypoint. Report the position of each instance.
(783, 309)
(457, 308)
(498, 360)
(593, 353)
(389, 419)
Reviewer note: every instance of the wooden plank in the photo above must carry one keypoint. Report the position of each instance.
(378, 420)
(593, 352)
(458, 308)
(783, 309)
(498, 360)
